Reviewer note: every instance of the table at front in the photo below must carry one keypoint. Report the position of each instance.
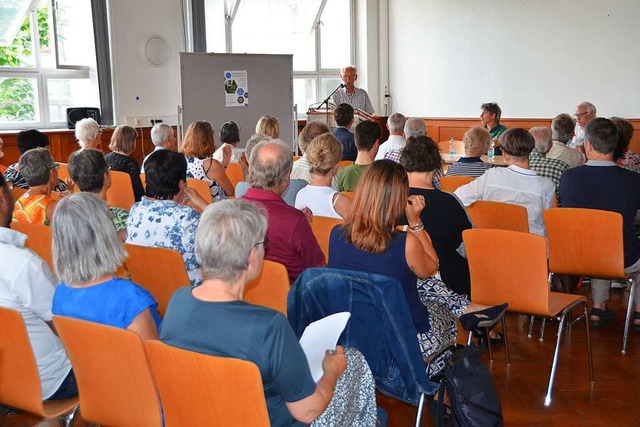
(452, 158)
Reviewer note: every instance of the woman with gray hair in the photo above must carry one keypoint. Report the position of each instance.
(476, 142)
(89, 288)
(36, 206)
(88, 133)
(230, 249)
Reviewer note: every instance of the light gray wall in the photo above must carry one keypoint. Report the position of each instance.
(535, 58)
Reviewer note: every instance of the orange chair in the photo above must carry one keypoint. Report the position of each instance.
(39, 240)
(114, 378)
(235, 173)
(3, 169)
(202, 390)
(120, 194)
(18, 192)
(350, 194)
(143, 179)
(19, 378)
(445, 146)
(499, 216)
(321, 227)
(450, 183)
(270, 288)
(345, 163)
(63, 171)
(587, 242)
(202, 187)
(510, 266)
(159, 270)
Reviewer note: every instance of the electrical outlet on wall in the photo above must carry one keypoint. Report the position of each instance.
(137, 122)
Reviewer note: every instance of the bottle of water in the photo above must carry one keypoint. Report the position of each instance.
(492, 151)
(452, 146)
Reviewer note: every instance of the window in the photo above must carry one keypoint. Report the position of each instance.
(316, 32)
(48, 66)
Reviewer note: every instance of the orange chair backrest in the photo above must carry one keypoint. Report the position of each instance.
(508, 266)
(345, 163)
(270, 288)
(445, 146)
(18, 192)
(202, 187)
(235, 173)
(499, 215)
(3, 169)
(114, 378)
(120, 194)
(321, 227)
(19, 378)
(63, 171)
(143, 179)
(350, 194)
(585, 242)
(161, 271)
(450, 183)
(202, 390)
(39, 239)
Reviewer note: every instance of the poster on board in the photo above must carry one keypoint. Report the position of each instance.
(236, 89)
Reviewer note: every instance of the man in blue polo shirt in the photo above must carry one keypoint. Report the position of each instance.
(601, 184)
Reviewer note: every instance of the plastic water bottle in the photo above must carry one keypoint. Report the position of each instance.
(492, 151)
(452, 146)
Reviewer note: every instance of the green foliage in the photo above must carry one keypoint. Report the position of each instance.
(17, 97)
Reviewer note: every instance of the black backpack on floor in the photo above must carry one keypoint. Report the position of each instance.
(472, 397)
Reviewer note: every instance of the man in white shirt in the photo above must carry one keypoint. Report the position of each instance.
(585, 112)
(27, 285)
(163, 138)
(515, 184)
(395, 124)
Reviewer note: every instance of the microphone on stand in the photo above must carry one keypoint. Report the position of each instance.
(326, 101)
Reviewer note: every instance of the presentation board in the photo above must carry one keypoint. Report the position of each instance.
(219, 87)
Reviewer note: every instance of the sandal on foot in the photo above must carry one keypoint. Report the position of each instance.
(636, 316)
(603, 317)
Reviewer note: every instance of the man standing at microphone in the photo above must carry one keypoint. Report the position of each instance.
(349, 94)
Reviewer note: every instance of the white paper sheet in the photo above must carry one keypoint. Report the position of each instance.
(320, 336)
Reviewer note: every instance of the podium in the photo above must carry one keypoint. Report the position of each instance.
(325, 116)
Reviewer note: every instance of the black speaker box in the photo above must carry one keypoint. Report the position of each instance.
(78, 113)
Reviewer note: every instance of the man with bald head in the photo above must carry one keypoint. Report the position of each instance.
(585, 112)
(289, 239)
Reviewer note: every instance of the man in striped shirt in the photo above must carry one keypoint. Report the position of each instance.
(350, 94)
(476, 142)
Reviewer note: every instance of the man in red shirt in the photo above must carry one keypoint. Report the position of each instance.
(289, 238)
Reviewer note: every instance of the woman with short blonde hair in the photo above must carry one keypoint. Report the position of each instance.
(268, 125)
(123, 143)
(324, 154)
(198, 147)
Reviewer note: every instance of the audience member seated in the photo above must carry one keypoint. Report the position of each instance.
(476, 143)
(344, 119)
(538, 162)
(90, 172)
(88, 133)
(198, 146)
(562, 131)
(490, 119)
(88, 288)
(268, 126)
(230, 136)
(601, 184)
(290, 239)
(295, 185)
(369, 242)
(28, 140)
(622, 155)
(123, 143)
(163, 138)
(585, 112)
(27, 285)
(395, 125)
(301, 166)
(444, 217)
(230, 248)
(41, 174)
(367, 140)
(161, 219)
(324, 155)
(515, 184)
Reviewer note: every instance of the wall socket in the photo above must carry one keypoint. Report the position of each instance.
(137, 122)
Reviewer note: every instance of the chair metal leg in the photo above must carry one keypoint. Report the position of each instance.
(420, 408)
(488, 339)
(586, 328)
(506, 340)
(531, 321)
(544, 323)
(628, 321)
(554, 365)
(67, 419)
(469, 337)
